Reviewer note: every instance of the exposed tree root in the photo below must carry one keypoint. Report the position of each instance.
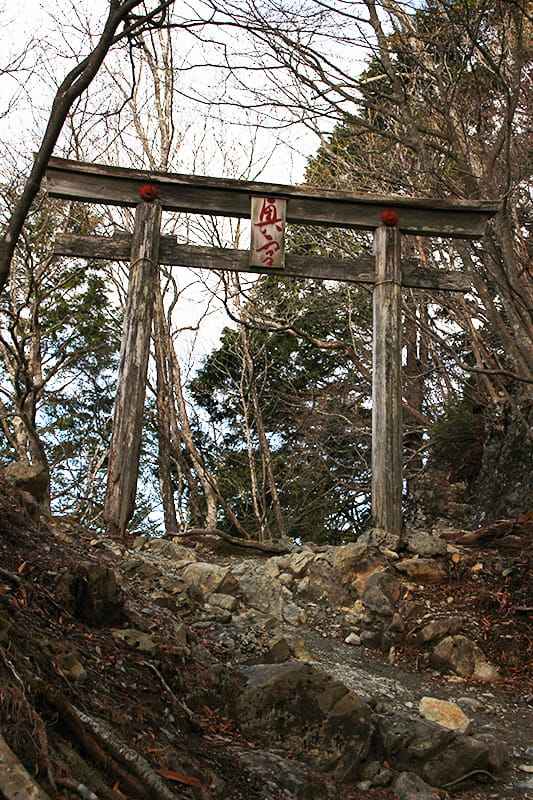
(79, 788)
(22, 726)
(71, 761)
(133, 771)
(11, 576)
(129, 757)
(263, 547)
(15, 782)
(76, 727)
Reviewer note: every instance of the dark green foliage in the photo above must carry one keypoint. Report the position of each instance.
(457, 442)
(60, 339)
(312, 405)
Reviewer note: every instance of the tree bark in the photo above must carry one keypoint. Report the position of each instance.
(163, 395)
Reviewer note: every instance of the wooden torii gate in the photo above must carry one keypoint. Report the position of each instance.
(269, 206)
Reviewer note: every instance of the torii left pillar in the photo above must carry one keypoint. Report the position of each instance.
(387, 473)
(129, 404)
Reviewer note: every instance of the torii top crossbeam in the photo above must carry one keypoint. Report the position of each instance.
(95, 183)
(146, 249)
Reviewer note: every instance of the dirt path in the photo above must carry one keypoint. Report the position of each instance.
(506, 714)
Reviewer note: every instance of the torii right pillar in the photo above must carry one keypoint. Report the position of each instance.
(387, 471)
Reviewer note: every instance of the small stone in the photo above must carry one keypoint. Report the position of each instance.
(5, 630)
(438, 629)
(424, 544)
(68, 661)
(136, 639)
(408, 786)
(278, 651)
(181, 634)
(353, 639)
(381, 594)
(422, 570)
(484, 671)
(297, 648)
(444, 713)
(471, 703)
(225, 601)
(77, 672)
(526, 767)
(397, 625)
(371, 638)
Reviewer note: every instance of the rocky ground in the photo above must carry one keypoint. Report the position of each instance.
(192, 669)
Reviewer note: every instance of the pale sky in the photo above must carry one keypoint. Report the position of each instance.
(46, 37)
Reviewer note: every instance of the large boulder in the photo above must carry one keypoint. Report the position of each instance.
(437, 755)
(460, 655)
(211, 579)
(340, 574)
(264, 589)
(276, 774)
(308, 712)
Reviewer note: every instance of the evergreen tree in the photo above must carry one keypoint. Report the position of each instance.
(314, 409)
(59, 342)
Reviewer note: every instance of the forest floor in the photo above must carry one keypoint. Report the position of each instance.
(164, 707)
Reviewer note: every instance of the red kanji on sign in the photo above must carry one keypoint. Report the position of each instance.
(268, 232)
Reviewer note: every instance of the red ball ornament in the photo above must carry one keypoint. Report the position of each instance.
(389, 218)
(148, 192)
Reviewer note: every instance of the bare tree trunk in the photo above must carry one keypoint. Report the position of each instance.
(163, 394)
(73, 85)
(263, 441)
(186, 435)
(259, 514)
(414, 373)
(182, 429)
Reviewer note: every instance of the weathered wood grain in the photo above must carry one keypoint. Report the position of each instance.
(15, 782)
(129, 403)
(360, 270)
(97, 183)
(387, 384)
